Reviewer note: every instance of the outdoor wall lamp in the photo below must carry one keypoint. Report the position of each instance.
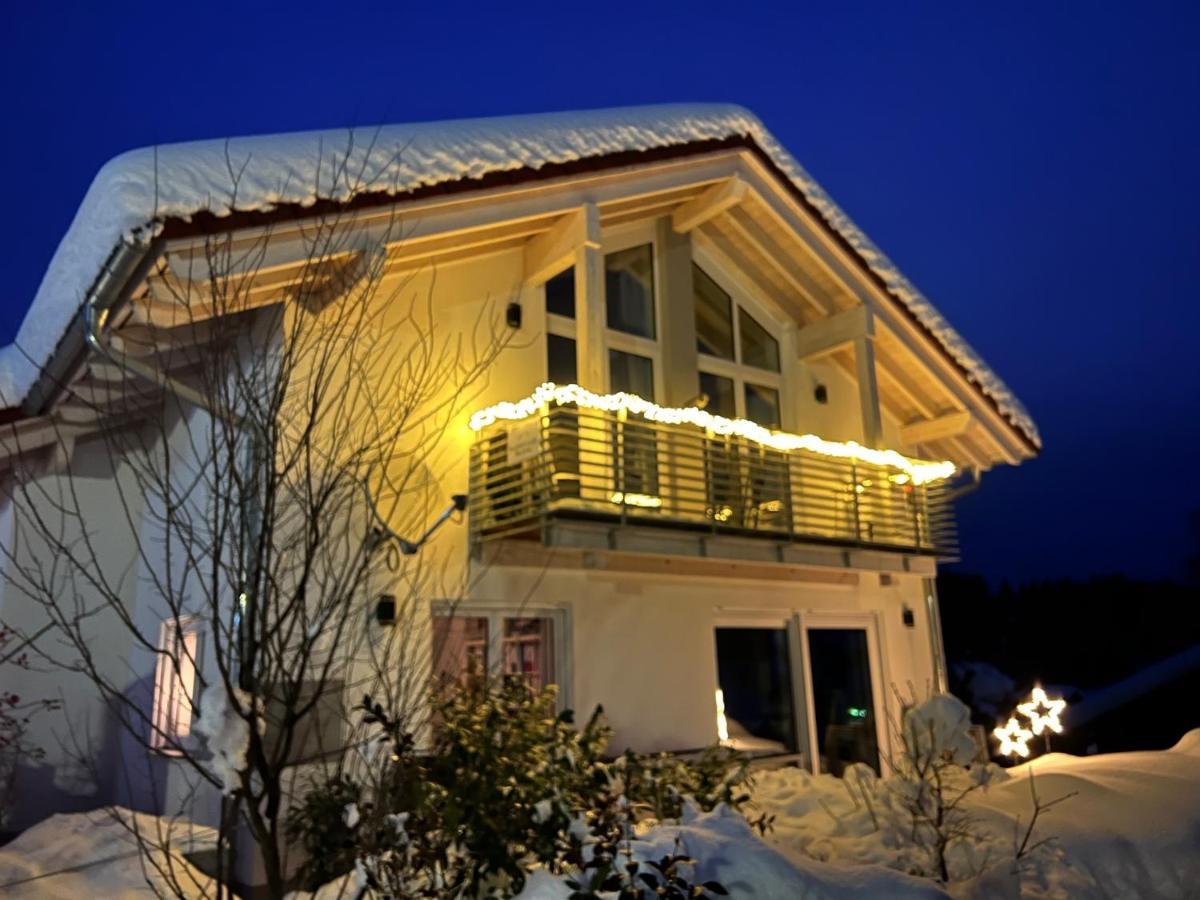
(512, 315)
(385, 609)
(458, 503)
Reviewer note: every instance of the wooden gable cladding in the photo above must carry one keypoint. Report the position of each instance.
(728, 203)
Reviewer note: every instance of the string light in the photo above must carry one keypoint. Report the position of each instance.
(1014, 740)
(1039, 721)
(646, 501)
(919, 471)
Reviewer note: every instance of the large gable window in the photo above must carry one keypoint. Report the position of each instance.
(714, 316)
(758, 348)
(738, 369)
(738, 356)
(629, 290)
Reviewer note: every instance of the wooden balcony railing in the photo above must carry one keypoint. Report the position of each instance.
(575, 462)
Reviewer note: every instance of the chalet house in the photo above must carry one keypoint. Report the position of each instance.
(708, 482)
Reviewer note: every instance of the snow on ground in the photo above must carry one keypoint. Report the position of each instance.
(1132, 830)
(69, 857)
(728, 851)
(137, 191)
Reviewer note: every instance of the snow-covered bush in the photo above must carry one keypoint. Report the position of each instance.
(508, 785)
(932, 781)
(927, 816)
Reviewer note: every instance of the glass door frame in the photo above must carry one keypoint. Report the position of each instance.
(812, 620)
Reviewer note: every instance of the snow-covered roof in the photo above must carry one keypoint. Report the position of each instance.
(135, 193)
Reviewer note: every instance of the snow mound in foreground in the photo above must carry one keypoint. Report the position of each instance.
(1132, 828)
(728, 851)
(96, 854)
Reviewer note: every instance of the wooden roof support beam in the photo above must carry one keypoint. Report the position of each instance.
(834, 333)
(552, 251)
(853, 328)
(928, 430)
(715, 200)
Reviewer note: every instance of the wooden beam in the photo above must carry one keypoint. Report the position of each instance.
(927, 430)
(834, 333)
(554, 250)
(868, 391)
(721, 196)
(591, 316)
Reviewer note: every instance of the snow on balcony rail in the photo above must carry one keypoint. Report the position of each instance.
(919, 470)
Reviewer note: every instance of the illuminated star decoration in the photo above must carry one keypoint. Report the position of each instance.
(1042, 712)
(1014, 740)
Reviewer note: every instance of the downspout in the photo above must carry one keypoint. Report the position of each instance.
(969, 488)
(941, 680)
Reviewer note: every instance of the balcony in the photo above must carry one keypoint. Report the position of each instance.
(534, 466)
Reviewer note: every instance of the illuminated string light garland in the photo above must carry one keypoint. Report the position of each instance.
(1039, 721)
(1014, 740)
(919, 471)
(646, 501)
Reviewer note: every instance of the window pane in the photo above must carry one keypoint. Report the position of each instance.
(762, 405)
(843, 705)
(629, 290)
(528, 650)
(174, 691)
(758, 348)
(721, 399)
(560, 293)
(755, 677)
(560, 359)
(714, 316)
(631, 374)
(636, 463)
(459, 648)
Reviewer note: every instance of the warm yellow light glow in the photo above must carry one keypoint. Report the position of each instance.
(722, 724)
(647, 501)
(722, 514)
(1014, 740)
(920, 471)
(1042, 712)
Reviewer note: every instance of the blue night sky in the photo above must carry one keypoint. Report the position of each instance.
(1034, 169)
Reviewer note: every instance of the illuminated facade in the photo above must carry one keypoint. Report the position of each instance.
(709, 480)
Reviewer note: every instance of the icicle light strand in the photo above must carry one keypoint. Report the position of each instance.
(921, 471)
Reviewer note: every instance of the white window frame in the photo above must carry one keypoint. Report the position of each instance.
(737, 371)
(779, 619)
(496, 613)
(811, 620)
(174, 699)
(626, 238)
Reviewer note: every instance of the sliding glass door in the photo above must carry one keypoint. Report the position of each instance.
(844, 696)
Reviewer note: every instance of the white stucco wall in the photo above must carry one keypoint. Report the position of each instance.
(643, 645)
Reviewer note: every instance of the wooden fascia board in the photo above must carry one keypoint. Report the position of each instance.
(843, 264)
